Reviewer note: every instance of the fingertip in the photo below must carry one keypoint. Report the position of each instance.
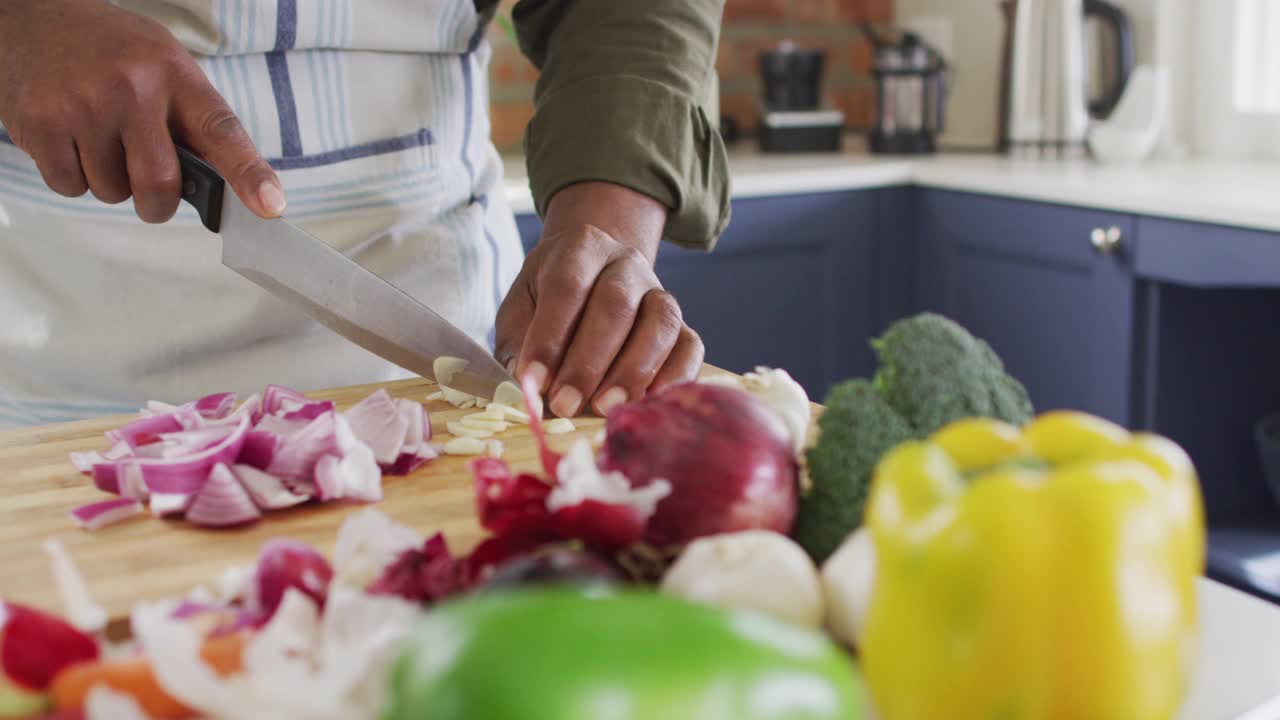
(567, 402)
(610, 399)
(271, 196)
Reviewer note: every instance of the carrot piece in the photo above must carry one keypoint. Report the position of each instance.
(225, 653)
(134, 677)
(130, 676)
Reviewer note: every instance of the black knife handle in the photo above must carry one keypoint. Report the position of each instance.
(202, 186)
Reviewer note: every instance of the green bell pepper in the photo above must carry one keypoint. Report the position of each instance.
(562, 654)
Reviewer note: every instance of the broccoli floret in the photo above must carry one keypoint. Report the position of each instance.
(857, 426)
(932, 372)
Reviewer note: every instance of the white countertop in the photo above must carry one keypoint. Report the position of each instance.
(1238, 673)
(1243, 195)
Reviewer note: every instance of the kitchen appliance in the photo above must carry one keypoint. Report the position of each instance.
(911, 94)
(793, 118)
(1130, 133)
(792, 77)
(335, 290)
(1046, 101)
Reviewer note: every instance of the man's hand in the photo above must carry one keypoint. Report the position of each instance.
(97, 95)
(586, 315)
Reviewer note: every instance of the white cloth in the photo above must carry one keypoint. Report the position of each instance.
(377, 123)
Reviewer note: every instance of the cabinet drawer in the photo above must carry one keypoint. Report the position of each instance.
(1018, 228)
(1205, 255)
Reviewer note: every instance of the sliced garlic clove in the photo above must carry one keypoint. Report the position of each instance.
(559, 426)
(457, 429)
(446, 367)
(480, 421)
(465, 446)
(508, 394)
(506, 412)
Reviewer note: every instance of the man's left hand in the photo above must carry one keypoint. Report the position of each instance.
(587, 316)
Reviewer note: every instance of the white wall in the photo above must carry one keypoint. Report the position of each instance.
(969, 34)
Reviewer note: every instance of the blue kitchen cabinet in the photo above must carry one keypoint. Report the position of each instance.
(798, 282)
(1027, 278)
(1211, 370)
(1164, 325)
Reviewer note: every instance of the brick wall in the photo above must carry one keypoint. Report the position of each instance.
(749, 27)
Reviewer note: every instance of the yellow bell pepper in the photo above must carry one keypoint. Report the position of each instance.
(1042, 572)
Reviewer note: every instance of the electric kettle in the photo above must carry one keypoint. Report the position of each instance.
(1045, 105)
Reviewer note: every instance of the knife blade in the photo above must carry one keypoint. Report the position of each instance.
(333, 289)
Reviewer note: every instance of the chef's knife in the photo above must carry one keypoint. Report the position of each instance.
(335, 290)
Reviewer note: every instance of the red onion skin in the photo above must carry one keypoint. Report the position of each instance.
(404, 464)
(727, 456)
(103, 513)
(600, 525)
(283, 564)
(34, 646)
(424, 575)
(216, 405)
(145, 430)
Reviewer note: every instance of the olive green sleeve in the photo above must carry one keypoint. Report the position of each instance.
(620, 98)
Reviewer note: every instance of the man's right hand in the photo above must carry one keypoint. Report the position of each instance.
(97, 96)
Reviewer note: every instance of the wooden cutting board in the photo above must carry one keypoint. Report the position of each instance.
(145, 558)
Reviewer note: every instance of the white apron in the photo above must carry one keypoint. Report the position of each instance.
(376, 121)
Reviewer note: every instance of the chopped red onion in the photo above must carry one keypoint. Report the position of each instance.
(186, 442)
(377, 421)
(416, 448)
(220, 464)
(296, 457)
(145, 431)
(223, 502)
(259, 448)
(423, 575)
(166, 504)
(95, 516)
(84, 461)
(106, 478)
(190, 419)
(250, 408)
(131, 483)
(215, 406)
(353, 477)
(277, 425)
(417, 429)
(267, 491)
(155, 407)
(307, 411)
(191, 608)
(408, 462)
(186, 474)
(278, 397)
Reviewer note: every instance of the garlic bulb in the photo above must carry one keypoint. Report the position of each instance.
(848, 577)
(751, 569)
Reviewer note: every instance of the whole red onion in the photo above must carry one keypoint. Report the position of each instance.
(728, 457)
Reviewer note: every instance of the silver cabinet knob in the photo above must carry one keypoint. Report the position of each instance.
(1106, 241)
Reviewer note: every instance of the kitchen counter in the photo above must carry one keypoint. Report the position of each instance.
(1236, 194)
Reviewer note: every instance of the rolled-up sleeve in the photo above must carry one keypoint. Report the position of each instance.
(620, 99)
